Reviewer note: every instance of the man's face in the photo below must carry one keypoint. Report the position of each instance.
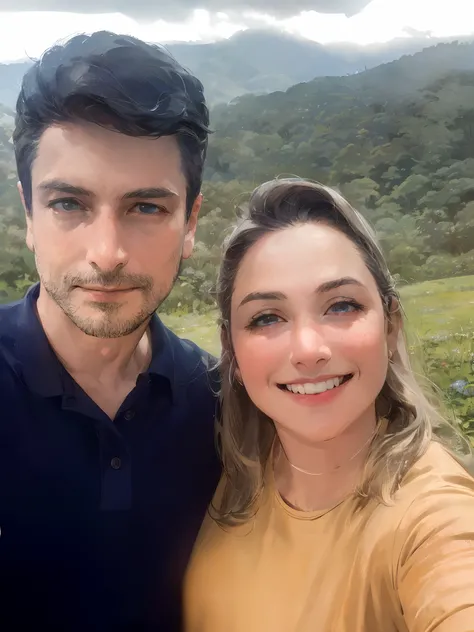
(108, 225)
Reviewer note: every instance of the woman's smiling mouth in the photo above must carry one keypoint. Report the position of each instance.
(316, 388)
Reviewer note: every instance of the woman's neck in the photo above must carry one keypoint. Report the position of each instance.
(316, 476)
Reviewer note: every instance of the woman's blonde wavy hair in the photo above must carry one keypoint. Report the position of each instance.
(406, 413)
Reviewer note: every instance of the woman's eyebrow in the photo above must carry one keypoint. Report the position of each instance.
(327, 286)
(263, 296)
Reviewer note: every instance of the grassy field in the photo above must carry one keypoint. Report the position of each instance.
(439, 326)
(440, 308)
(200, 328)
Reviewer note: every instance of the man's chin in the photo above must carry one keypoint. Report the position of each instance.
(108, 330)
(108, 324)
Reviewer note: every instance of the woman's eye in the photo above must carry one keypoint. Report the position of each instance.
(263, 321)
(67, 206)
(149, 209)
(345, 307)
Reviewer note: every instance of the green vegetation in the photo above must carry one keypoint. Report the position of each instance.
(200, 328)
(440, 308)
(440, 329)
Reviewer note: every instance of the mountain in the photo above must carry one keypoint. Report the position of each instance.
(257, 62)
(260, 62)
(10, 81)
(378, 87)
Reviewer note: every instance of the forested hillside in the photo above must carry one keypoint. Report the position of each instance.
(397, 140)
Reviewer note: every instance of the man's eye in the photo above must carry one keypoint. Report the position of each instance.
(150, 209)
(67, 206)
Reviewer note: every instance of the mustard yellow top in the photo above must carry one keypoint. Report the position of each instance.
(407, 567)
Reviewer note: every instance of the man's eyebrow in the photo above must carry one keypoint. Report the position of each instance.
(321, 289)
(60, 186)
(150, 193)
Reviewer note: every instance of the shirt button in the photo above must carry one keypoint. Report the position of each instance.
(116, 463)
(129, 414)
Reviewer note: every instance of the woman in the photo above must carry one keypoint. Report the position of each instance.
(338, 511)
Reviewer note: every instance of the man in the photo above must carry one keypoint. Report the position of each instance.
(107, 458)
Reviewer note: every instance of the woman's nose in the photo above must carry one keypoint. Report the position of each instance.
(309, 347)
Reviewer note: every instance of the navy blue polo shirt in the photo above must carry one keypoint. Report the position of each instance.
(98, 517)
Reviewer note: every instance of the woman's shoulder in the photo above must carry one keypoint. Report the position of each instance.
(437, 479)
(437, 491)
(437, 469)
(435, 502)
(432, 547)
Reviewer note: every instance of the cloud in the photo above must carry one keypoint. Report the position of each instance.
(180, 9)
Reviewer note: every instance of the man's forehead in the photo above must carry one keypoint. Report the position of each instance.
(83, 136)
(90, 157)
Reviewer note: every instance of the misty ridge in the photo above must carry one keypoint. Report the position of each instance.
(260, 62)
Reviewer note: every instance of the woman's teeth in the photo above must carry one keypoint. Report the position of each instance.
(311, 388)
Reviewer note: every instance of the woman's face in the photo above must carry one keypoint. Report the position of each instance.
(309, 331)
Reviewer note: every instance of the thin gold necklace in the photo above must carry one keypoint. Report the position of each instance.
(299, 469)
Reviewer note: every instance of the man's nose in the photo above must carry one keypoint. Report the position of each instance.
(106, 248)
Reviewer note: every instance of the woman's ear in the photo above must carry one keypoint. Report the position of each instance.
(226, 345)
(394, 325)
(225, 342)
(238, 375)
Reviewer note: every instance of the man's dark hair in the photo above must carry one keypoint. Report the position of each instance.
(116, 81)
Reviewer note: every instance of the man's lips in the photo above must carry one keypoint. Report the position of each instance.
(105, 290)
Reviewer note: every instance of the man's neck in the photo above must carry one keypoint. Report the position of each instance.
(103, 360)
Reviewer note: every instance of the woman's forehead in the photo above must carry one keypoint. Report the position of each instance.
(313, 253)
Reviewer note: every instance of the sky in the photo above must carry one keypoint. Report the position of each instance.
(378, 21)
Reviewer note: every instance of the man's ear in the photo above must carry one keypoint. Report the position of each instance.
(191, 226)
(29, 226)
(22, 196)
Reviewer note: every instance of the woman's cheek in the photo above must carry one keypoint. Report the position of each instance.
(368, 351)
(366, 337)
(258, 356)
